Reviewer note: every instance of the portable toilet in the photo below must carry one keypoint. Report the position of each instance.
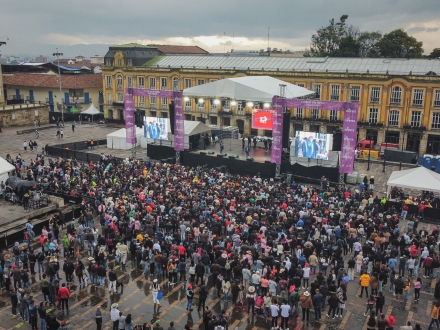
(427, 161)
(437, 164)
(420, 160)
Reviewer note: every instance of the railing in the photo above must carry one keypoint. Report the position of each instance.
(80, 100)
(49, 100)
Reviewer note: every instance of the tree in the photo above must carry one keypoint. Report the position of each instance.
(399, 44)
(327, 39)
(368, 43)
(435, 53)
(348, 47)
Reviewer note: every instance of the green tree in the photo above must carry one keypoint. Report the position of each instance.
(348, 47)
(435, 53)
(398, 43)
(368, 43)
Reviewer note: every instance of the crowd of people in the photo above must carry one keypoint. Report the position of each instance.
(281, 249)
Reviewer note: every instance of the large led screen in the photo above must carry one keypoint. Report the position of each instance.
(313, 145)
(262, 119)
(156, 128)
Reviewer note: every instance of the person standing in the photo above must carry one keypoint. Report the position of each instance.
(417, 287)
(64, 294)
(98, 317)
(365, 282)
(42, 314)
(33, 315)
(112, 279)
(306, 304)
(434, 316)
(61, 133)
(25, 145)
(155, 289)
(14, 301)
(73, 127)
(318, 301)
(203, 294)
(274, 311)
(222, 146)
(285, 310)
(114, 316)
(189, 297)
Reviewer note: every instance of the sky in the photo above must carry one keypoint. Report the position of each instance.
(87, 28)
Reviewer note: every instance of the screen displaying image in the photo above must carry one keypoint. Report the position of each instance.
(313, 145)
(156, 128)
(262, 119)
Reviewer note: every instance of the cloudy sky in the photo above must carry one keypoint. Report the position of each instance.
(88, 27)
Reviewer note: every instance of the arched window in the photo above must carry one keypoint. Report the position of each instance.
(119, 82)
(396, 95)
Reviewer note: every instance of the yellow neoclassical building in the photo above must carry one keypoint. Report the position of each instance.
(399, 99)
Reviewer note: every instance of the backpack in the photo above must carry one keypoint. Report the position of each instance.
(101, 256)
(228, 266)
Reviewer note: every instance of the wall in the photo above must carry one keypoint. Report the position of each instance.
(24, 114)
(2, 96)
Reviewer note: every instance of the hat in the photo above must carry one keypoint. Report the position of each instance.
(202, 226)
(257, 272)
(188, 229)
(146, 236)
(307, 264)
(190, 286)
(155, 280)
(90, 258)
(14, 266)
(224, 255)
(251, 289)
(114, 306)
(93, 262)
(306, 293)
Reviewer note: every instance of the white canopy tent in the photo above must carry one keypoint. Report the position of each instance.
(5, 168)
(92, 111)
(116, 140)
(252, 88)
(419, 178)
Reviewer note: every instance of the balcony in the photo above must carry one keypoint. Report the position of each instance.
(101, 100)
(118, 104)
(414, 128)
(224, 113)
(396, 101)
(15, 99)
(77, 100)
(49, 100)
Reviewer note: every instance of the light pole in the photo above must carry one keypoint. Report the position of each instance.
(369, 151)
(57, 54)
(401, 151)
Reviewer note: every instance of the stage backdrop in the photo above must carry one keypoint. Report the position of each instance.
(348, 130)
(179, 132)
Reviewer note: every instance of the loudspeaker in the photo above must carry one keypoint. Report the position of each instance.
(203, 152)
(337, 141)
(249, 159)
(211, 152)
(220, 155)
(171, 108)
(268, 162)
(233, 156)
(286, 129)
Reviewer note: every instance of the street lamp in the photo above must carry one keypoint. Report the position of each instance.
(369, 150)
(57, 54)
(401, 150)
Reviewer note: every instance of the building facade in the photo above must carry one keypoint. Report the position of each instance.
(399, 99)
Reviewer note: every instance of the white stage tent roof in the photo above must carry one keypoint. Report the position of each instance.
(5, 167)
(419, 178)
(252, 88)
(91, 111)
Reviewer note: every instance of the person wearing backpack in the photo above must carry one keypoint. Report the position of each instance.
(189, 297)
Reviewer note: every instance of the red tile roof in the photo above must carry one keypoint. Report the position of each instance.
(51, 81)
(174, 49)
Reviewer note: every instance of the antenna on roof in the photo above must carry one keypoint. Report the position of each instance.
(224, 42)
(233, 42)
(268, 34)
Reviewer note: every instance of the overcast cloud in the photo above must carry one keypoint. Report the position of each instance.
(87, 27)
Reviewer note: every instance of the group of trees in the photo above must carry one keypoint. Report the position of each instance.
(341, 40)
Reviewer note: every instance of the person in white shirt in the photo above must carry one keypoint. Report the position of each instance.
(285, 310)
(114, 316)
(274, 310)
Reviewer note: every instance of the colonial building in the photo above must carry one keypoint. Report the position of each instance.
(399, 99)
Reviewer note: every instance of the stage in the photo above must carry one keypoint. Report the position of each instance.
(260, 163)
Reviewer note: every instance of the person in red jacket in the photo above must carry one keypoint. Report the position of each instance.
(64, 294)
(391, 321)
(428, 266)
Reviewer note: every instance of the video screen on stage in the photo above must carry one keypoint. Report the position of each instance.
(156, 128)
(313, 145)
(262, 119)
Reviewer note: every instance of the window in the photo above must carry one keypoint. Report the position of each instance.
(152, 102)
(300, 85)
(120, 97)
(355, 93)
(200, 82)
(164, 102)
(317, 91)
(187, 83)
(315, 114)
(396, 95)
(188, 105)
(333, 115)
(240, 108)
(435, 120)
(108, 62)
(109, 98)
(299, 113)
(163, 84)
(176, 84)
(226, 105)
(141, 101)
(141, 82)
(393, 118)
(437, 98)
(76, 93)
(418, 97)
(213, 106)
(152, 83)
(109, 81)
(130, 82)
(372, 119)
(375, 95)
(129, 62)
(416, 118)
(119, 82)
(335, 93)
(201, 106)
(119, 62)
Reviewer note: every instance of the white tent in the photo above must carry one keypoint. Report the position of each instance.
(91, 111)
(419, 178)
(5, 167)
(116, 140)
(252, 88)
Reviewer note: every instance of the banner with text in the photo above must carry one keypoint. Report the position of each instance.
(277, 132)
(130, 134)
(349, 127)
(179, 130)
